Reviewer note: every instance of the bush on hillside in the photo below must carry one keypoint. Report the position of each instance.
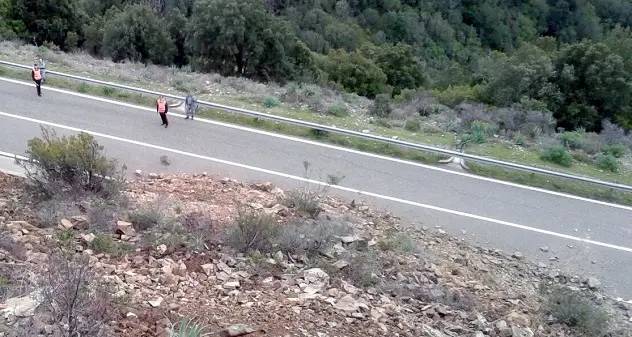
(607, 162)
(75, 164)
(572, 140)
(616, 150)
(381, 106)
(557, 155)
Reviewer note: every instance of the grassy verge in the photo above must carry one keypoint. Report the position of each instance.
(551, 183)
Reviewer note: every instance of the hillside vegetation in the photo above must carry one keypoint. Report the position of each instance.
(569, 57)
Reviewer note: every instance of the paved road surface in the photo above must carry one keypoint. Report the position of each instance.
(494, 214)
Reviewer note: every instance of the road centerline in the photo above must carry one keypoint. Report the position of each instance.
(317, 182)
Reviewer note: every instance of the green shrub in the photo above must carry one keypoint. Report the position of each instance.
(253, 231)
(557, 155)
(309, 237)
(582, 157)
(457, 94)
(571, 308)
(304, 200)
(83, 88)
(189, 328)
(381, 106)
(338, 110)
(616, 150)
(145, 219)
(74, 163)
(572, 140)
(271, 102)
(607, 162)
(383, 123)
(412, 125)
(481, 131)
(519, 139)
(104, 244)
(107, 91)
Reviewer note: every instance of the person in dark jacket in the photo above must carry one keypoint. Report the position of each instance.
(190, 105)
(36, 75)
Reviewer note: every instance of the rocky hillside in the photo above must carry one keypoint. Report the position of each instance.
(252, 259)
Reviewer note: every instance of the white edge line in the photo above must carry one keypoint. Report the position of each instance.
(300, 140)
(316, 182)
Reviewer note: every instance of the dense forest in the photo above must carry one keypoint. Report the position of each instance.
(571, 57)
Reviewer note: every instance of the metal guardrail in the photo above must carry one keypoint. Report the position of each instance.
(321, 127)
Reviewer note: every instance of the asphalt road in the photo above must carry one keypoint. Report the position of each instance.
(493, 214)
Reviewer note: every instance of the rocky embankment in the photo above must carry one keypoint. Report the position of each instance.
(346, 270)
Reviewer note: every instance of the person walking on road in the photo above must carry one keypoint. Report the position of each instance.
(162, 107)
(190, 105)
(42, 66)
(36, 74)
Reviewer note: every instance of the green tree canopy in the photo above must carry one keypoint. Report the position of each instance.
(354, 72)
(137, 34)
(50, 20)
(239, 38)
(594, 85)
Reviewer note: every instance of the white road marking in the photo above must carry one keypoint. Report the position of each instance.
(305, 141)
(316, 182)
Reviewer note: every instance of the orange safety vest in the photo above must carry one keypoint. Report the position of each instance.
(37, 74)
(162, 105)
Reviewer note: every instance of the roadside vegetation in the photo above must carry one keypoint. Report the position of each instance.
(553, 91)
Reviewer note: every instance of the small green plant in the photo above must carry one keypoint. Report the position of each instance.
(557, 155)
(617, 150)
(271, 102)
(65, 237)
(189, 328)
(381, 106)
(481, 131)
(607, 162)
(571, 308)
(253, 231)
(363, 269)
(572, 140)
(104, 244)
(338, 110)
(304, 200)
(412, 125)
(519, 139)
(107, 91)
(309, 237)
(145, 219)
(83, 88)
(400, 242)
(582, 157)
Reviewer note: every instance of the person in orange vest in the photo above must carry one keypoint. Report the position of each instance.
(162, 107)
(36, 74)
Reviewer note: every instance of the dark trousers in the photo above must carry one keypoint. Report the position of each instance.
(38, 85)
(163, 116)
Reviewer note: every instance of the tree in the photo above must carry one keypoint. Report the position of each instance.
(50, 20)
(354, 72)
(594, 84)
(527, 73)
(402, 69)
(239, 38)
(137, 34)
